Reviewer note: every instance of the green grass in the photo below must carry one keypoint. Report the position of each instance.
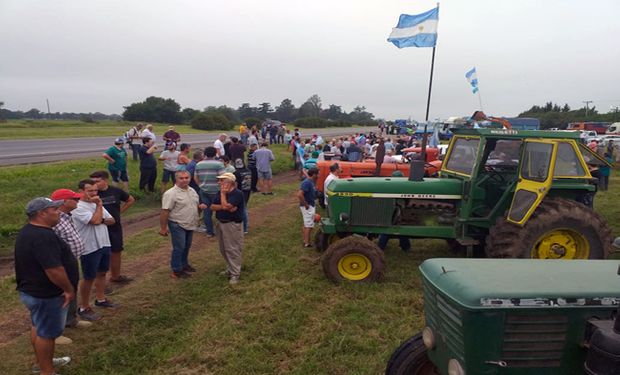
(19, 184)
(30, 129)
(284, 317)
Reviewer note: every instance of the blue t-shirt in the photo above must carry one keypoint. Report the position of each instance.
(235, 198)
(307, 186)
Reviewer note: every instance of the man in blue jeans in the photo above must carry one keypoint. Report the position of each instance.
(179, 218)
(205, 176)
(45, 272)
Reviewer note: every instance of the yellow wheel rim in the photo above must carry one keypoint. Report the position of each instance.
(561, 244)
(354, 267)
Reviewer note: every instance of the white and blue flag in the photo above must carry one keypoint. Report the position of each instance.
(433, 141)
(416, 30)
(472, 78)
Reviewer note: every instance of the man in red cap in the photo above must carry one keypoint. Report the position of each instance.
(67, 232)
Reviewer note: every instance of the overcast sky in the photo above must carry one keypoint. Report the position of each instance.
(98, 56)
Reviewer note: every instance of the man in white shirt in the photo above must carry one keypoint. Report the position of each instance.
(148, 132)
(170, 157)
(334, 172)
(219, 145)
(91, 221)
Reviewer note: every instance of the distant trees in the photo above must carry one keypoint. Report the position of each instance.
(555, 116)
(154, 109)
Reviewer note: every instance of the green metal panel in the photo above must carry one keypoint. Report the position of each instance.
(401, 186)
(510, 133)
(537, 329)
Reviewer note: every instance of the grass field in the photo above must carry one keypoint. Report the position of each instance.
(19, 184)
(28, 129)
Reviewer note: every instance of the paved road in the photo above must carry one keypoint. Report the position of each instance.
(29, 151)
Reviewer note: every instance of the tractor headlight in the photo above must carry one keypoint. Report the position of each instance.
(344, 217)
(455, 368)
(429, 338)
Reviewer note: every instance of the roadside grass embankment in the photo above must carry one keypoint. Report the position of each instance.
(19, 184)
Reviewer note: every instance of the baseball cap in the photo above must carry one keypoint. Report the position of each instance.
(315, 154)
(40, 203)
(227, 176)
(62, 194)
(119, 140)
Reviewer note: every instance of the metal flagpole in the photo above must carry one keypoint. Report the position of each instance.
(428, 101)
(480, 100)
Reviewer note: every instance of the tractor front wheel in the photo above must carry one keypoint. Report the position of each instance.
(353, 259)
(558, 229)
(411, 358)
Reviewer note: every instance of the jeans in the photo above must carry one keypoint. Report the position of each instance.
(181, 242)
(403, 241)
(135, 151)
(208, 198)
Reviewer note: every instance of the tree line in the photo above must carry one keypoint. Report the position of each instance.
(35, 114)
(552, 115)
(309, 114)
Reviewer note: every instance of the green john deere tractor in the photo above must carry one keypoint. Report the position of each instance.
(491, 316)
(501, 193)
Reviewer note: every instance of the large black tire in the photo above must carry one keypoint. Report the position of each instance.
(322, 241)
(507, 240)
(410, 358)
(353, 259)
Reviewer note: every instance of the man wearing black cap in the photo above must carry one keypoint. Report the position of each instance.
(45, 272)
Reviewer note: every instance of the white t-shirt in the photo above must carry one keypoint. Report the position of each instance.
(220, 146)
(148, 133)
(171, 159)
(94, 236)
(331, 177)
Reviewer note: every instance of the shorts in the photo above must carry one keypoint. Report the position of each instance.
(168, 175)
(308, 216)
(115, 233)
(265, 175)
(95, 262)
(118, 175)
(46, 314)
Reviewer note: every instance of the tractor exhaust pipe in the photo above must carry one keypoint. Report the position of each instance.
(416, 173)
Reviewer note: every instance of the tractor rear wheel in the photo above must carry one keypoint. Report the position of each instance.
(411, 358)
(558, 229)
(353, 258)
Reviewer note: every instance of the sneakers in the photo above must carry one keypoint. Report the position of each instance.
(209, 235)
(106, 303)
(233, 281)
(57, 362)
(180, 275)
(122, 279)
(63, 340)
(189, 269)
(88, 314)
(82, 324)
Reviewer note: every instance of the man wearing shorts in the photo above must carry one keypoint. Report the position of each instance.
(45, 272)
(307, 196)
(115, 201)
(264, 157)
(117, 163)
(91, 221)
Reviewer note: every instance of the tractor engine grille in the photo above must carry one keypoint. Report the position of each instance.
(445, 320)
(534, 341)
(372, 211)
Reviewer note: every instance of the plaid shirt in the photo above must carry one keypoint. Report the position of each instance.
(65, 229)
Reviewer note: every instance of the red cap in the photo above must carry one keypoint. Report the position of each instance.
(62, 194)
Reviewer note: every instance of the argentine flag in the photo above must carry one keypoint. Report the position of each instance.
(418, 30)
(472, 78)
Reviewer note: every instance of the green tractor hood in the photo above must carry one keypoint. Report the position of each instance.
(525, 283)
(397, 187)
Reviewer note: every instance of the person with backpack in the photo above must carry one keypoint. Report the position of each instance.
(133, 138)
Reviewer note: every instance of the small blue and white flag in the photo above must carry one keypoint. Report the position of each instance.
(472, 78)
(433, 141)
(416, 30)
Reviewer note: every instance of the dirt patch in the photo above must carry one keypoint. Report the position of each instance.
(16, 322)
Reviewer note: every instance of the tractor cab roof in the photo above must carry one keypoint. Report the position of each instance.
(523, 283)
(513, 133)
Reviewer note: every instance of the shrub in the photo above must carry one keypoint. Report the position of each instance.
(253, 121)
(311, 122)
(211, 121)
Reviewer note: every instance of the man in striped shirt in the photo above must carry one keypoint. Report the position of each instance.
(205, 176)
(65, 229)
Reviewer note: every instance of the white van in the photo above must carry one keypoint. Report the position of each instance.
(614, 128)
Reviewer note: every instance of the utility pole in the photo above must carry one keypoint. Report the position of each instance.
(587, 106)
(49, 113)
